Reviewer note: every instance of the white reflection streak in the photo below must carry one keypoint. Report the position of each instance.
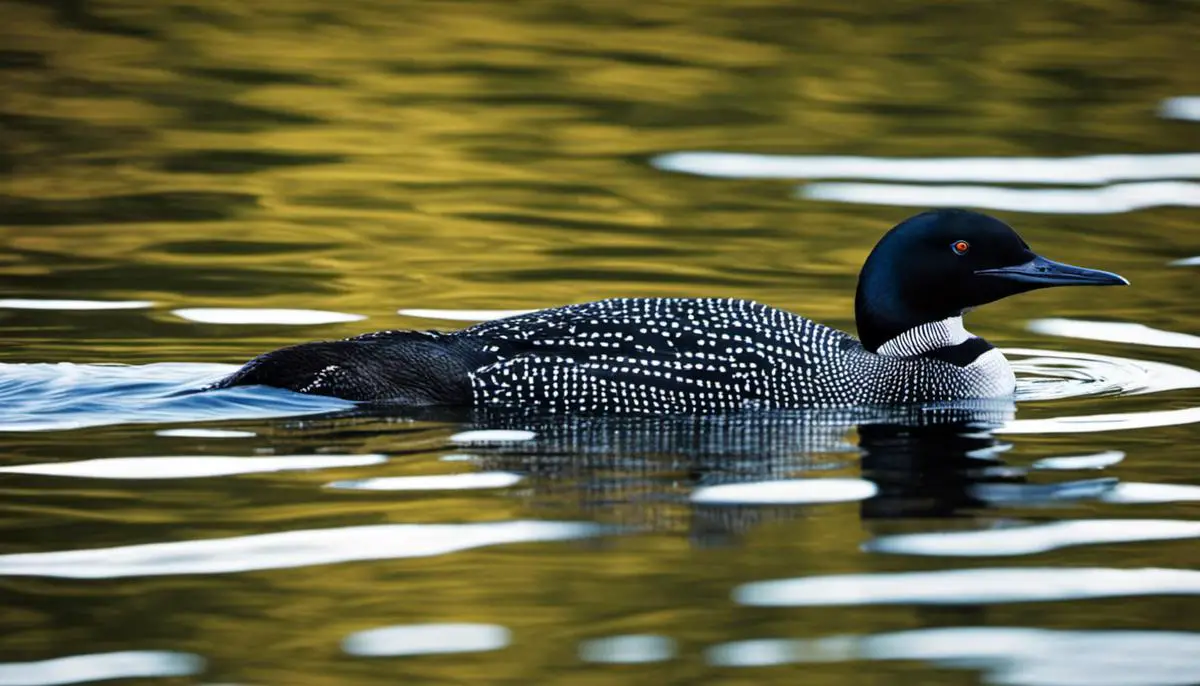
(204, 433)
(786, 492)
(433, 482)
(1027, 540)
(969, 586)
(630, 649)
(127, 664)
(1183, 107)
(231, 315)
(286, 550)
(1102, 422)
(1009, 655)
(1136, 493)
(1107, 458)
(1115, 332)
(188, 467)
(1085, 170)
(462, 315)
(427, 639)
(493, 436)
(1112, 199)
(76, 305)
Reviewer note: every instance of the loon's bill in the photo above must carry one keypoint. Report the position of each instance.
(1046, 272)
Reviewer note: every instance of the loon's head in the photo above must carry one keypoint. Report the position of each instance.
(942, 263)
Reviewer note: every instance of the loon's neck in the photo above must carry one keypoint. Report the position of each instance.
(926, 338)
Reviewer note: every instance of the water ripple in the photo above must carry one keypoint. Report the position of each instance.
(1084, 170)
(127, 664)
(1114, 332)
(786, 492)
(189, 467)
(289, 549)
(969, 586)
(439, 482)
(1052, 375)
(1013, 656)
(427, 639)
(55, 397)
(251, 315)
(1114, 199)
(630, 649)
(76, 305)
(1028, 540)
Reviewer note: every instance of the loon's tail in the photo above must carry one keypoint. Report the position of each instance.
(407, 367)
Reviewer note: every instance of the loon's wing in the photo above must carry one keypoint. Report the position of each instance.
(649, 355)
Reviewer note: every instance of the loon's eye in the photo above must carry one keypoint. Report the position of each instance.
(960, 247)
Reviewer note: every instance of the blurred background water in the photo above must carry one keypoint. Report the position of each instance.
(189, 183)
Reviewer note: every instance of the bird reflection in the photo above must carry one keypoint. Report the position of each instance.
(925, 461)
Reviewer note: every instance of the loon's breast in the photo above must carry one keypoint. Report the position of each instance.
(659, 355)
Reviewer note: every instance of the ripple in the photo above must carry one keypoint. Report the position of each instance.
(786, 492)
(1114, 199)
(1015, 656)
(1115, 332)
(189, 467)
(1102, 422)
(1083, 170)
(1052, 375)
(462, 315)
(1134, 493)
(1182, 107)
(969, 586)
(440, 482)
(127, 664)
(630, 649)
(286, 550)
(55, 397)
(78, 305)
(427, 639)
(250, 315)
(493, 436)
(204, 433)
(1028, 540)
(1077, 462)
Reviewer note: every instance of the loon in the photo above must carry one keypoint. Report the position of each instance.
(657, 356)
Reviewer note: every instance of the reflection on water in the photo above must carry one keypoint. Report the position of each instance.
(1114, 199)
(969, 586)
(188, 184)
(214, 315)
(185, 467)
(1014, 656)
(284, 550)
(129, 664)
(426, 639)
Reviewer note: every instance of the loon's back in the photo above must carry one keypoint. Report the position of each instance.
(624, 356)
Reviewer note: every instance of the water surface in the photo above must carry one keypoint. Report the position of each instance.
(188, 184)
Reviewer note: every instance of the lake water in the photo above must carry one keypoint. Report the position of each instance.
(188, 184)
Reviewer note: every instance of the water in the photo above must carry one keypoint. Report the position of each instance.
(189, 184)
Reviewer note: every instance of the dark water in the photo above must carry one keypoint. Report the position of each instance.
(187, 184)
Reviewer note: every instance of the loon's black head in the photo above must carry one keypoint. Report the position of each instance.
(941, 263)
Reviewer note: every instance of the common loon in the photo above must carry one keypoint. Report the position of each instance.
(705, 355)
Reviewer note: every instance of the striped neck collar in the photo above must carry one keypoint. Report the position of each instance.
(926, 338)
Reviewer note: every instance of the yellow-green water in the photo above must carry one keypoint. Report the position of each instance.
(367, 157)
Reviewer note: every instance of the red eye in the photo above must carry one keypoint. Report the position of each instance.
(960, 247)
